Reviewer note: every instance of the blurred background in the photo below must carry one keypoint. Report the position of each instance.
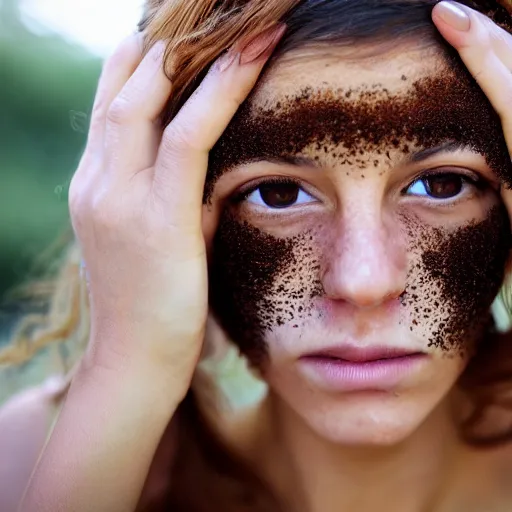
(51, 53)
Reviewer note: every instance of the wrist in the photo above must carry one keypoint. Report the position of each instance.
(130, 385)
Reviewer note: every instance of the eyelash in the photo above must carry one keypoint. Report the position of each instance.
(248, 189)
(477, 181)
(474, 180)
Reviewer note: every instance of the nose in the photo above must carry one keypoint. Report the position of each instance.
(366, 264)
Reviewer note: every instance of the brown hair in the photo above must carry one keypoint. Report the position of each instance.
(197, 32)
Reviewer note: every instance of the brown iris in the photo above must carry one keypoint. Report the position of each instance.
(279, 195)
(443, 186)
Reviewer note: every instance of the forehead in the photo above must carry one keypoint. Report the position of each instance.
(349, 74)
(318, 99)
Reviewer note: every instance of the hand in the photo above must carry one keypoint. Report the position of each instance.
(486, 50)
(136, 207)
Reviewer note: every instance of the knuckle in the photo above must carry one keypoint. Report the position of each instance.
(94, 209)
(103, 211)
(88, 163)
(76, 195)
(119, 111)
(98, 113)
(177, 139)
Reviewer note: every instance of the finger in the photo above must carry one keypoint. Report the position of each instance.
(117, 69)
(501, 40)
(183, 154)
(132, 134)
(475, 48)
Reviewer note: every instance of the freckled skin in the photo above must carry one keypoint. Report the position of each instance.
(362, 120)
(259, 281)
(448, 105)
(452, 282)
(467, 267)
(360, 124)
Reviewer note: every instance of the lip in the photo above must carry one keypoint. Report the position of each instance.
(350, 368)
(359, 354)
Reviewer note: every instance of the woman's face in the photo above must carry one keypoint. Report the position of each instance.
(356, 236)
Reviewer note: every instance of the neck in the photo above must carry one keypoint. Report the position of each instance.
(316, 475)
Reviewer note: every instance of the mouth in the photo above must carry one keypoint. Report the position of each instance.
(357, 354)
(351, 368)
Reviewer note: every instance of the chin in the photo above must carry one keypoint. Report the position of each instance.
(371, 430)
(379, 420)
(382, 415)
(370, 418)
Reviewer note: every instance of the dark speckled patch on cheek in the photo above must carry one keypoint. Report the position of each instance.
(455, 278)
(259, 282)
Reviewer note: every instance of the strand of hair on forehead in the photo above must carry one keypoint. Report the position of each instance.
(196, 32)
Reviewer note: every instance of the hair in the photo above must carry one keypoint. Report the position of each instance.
(196, 33)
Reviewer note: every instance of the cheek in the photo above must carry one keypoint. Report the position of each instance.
(259, 282)
(453, 279)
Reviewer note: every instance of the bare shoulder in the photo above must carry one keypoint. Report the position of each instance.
(25, 421)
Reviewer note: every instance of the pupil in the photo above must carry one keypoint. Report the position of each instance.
(279, 195)
(444, 187)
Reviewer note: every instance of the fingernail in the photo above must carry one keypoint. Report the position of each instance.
(454, 15)
(262, 45)
(227, 59)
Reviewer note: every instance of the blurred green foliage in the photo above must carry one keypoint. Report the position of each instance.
(46, 92)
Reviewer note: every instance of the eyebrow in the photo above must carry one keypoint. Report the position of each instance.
(415, 157)
(431, 120)
(296, 160)
(447, 147)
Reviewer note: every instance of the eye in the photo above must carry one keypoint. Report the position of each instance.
(282, 194)
(441, 186)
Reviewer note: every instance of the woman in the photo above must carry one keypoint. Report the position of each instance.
(344, 217)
